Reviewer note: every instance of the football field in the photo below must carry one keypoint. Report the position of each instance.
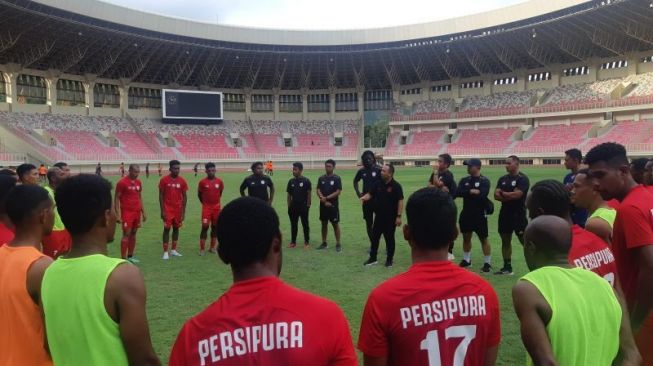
(181, 287)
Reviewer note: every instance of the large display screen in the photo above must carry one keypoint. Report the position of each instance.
(192, 105)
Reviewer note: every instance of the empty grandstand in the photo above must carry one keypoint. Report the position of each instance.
(534, 80)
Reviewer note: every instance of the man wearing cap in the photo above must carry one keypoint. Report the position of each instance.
(474, 190)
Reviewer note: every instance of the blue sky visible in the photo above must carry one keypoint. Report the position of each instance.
(315, 14)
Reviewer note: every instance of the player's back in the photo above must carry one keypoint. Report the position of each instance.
(586, 316)
(592, 253)
(434, 314)
(263, 321)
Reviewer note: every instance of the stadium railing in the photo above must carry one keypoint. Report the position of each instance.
(563, 107)
(217, 156)
(635, 148)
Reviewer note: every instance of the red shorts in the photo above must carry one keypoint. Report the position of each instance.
(130, 219)
(57, 243)
(210, 215)
(172, 218)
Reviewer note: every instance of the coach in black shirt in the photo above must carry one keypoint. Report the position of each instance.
(370, 173)
(511, 191)
(389, 198)
(474, 190)
(257, 184)
(329, 187)
(299, 202)
(444, 179)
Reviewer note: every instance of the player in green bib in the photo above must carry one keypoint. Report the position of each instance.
(601, 215)
(569, 316)
(94, 306)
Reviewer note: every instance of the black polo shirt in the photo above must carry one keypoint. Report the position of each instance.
(387, 196)
(473, 202)
(446, 177)
(299, 189)
(257, 186)
(510, 183)
(328, 185)
(369, 177)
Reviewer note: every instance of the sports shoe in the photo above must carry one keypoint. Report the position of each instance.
(133, 260)
(388, 264)
(202, 252)
(292, 245)
(370, 262)
(165, 256)
(338, 248)
(451, 257)
(486, 268)
(322, 246)
(175, 253)
(506, 270)
(213, 250)
(464, 264)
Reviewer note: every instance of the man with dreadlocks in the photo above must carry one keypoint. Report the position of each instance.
(370, 173)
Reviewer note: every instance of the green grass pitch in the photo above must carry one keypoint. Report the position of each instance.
(181, 287)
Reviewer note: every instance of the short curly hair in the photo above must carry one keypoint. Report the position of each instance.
(611, 153)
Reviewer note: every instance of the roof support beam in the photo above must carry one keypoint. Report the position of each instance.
(540, 54)
(446, 64)
(36, 52)
(253, 71)
(279, 72)
(8, 40)
(608, 41)
(71, 59)
(637, 31)
(476, 60)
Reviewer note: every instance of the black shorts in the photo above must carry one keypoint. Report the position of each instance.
(475, 222)
(330, 214)
(368, 211)
(512, 221)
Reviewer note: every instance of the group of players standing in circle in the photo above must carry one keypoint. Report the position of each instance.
(587, 300)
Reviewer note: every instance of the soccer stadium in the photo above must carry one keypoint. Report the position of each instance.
(95, 84)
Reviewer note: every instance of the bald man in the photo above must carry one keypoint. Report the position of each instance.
(562, 322)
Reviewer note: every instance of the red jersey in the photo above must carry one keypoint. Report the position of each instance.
(173, 191)
(592, 253)
(632, 230)
(435, 313)
(211, 191)
(129, 192)
(264, 321)
(6, 234)
(613, 204)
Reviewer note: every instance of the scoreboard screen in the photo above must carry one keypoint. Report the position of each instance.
(191, 105)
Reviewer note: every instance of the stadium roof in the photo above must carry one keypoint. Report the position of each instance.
(91, 37)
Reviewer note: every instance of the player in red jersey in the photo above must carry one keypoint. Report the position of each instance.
(172, 201)
(209, 192)
(550, 197)
(129, 208)
(410, 321)
(261, 320)
(632, 239)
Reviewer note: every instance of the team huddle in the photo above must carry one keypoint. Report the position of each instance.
(587, 300)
